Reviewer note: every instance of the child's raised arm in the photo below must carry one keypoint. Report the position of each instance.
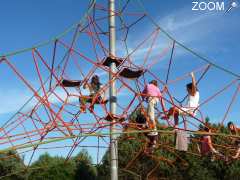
(194, 85)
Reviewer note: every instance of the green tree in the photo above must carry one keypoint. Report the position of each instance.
(55, 168)
(52, 168)
(11, 166)
(84, 168)
(169, 163)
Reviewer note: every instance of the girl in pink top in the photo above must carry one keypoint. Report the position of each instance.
(153, 94)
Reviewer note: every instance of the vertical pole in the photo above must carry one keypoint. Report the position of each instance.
(112, 92)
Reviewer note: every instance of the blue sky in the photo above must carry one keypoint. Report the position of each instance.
(213, 34)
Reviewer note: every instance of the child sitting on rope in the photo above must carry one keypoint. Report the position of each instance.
(153, 94)
(192, 103)
(234, 130)
(94, 88)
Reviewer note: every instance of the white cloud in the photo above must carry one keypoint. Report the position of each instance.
(12, 100)
(190, 28)
(183, 24)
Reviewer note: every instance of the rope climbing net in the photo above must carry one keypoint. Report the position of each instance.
(59, 70)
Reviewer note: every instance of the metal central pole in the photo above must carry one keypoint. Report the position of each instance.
(112, 92)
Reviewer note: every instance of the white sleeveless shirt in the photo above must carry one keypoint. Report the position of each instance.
(193, 101)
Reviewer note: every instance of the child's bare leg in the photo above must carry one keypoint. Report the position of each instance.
(176, 119)
(237, 154)
(173, 111)
(151, 113)
(82, 102)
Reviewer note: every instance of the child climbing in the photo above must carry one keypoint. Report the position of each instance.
(96, 95)
(192, 103)
(206, 146)
(234, 130)
(153, 94)
(141, 118)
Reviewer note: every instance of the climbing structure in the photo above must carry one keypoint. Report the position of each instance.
(51, 118)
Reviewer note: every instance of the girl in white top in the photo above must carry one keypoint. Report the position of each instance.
(192, 102)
